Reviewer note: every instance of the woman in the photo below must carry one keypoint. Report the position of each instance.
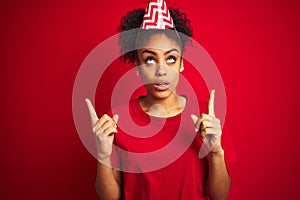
(158, 56)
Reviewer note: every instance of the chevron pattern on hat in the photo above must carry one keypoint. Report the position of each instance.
(157, 16)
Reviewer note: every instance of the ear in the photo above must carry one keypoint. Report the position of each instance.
(137, 65)
(138, 70)
(181, 66)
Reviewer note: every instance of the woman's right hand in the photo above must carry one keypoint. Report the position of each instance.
(103, 129)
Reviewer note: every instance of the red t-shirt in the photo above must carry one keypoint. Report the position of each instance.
(158, 157)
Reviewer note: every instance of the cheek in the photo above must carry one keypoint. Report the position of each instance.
(146, 76)
(174, 80)
(147, 73)
(173, 73)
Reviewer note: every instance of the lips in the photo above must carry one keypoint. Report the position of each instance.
(161, 85)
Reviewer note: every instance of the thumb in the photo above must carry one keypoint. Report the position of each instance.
(116, 118)
(194, 118)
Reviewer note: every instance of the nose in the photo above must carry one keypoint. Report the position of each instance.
(161, 70)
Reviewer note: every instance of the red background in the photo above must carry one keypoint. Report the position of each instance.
(254, 43)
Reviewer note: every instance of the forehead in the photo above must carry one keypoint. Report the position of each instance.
(159, 42)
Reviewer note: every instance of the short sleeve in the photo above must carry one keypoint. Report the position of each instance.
(227, 145)
(115, 157)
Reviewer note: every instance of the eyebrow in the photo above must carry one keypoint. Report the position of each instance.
(154, 53)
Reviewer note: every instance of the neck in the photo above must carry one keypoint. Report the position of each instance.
(167, 107)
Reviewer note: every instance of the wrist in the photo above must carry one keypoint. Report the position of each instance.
(218, 153)
(105, 161)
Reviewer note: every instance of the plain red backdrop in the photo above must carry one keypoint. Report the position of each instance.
(254, 43)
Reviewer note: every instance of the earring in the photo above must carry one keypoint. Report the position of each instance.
(181, 68)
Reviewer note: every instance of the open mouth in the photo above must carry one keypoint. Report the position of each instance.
(161, 85)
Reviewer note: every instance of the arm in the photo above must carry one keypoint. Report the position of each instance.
(210, 131)
(107, 182)
(218, 180)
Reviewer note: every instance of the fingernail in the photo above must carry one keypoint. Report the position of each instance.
(116, 118)
(194, 118)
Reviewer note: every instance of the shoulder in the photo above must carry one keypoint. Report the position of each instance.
(130, 111)
(196, 106)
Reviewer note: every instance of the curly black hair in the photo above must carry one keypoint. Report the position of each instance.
(130, 31)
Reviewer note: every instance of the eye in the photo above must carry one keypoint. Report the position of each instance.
(171, 60)
(150, 60)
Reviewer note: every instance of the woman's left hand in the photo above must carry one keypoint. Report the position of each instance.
(209, 128)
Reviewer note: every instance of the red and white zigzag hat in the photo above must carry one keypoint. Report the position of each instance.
(157, 16)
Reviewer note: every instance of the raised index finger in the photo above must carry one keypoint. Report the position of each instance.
(92, 111)
(211, 104)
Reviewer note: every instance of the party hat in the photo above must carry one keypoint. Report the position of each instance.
(157, 16)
